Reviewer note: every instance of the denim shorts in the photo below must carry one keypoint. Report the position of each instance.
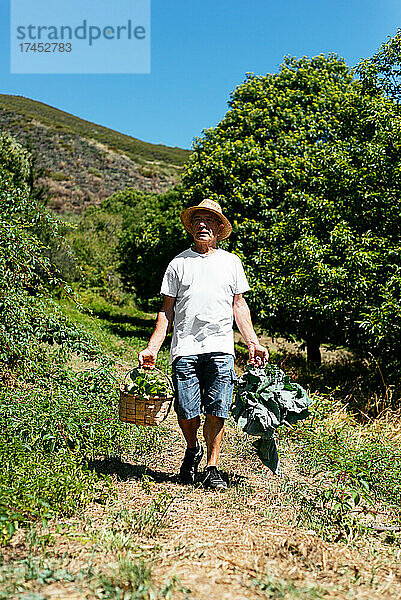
(203, 383)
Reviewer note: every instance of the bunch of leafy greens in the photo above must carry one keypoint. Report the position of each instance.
(147, 383)
(265, 399)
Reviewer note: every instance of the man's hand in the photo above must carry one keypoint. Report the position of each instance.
(258, 355)
(147, 358)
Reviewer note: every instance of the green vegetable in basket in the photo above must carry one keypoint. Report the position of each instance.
(146, 383)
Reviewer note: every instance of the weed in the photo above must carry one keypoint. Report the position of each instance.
(357, 467)
(335, 512)
(58, 176)
(25, 578)
(148, 520)
(365, 456)
(38, 542)
(238, 443)
(132, 581)
(279, 588)
(45, 445)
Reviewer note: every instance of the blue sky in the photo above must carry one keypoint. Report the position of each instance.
(201, 50)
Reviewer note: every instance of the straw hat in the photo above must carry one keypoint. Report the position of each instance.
(210, 206)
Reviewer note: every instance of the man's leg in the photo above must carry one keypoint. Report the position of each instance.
(213, 430)
(217, 382)
(189, 428)
(193, 453)
(187, 406)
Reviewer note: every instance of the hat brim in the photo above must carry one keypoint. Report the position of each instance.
(186, 217)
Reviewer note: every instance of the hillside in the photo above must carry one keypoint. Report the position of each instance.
(80, 163)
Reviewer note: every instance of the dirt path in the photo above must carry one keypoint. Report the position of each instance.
(244, 543)
(239, 544)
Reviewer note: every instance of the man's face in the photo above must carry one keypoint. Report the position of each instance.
(205, 226)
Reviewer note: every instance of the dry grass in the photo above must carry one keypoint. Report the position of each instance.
(388, 424)
(243, 543)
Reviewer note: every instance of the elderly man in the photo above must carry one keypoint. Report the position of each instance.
(203, 290)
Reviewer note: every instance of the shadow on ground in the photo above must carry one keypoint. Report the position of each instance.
(125, 325)
(133, 320)
(124, 331)
(126, 471)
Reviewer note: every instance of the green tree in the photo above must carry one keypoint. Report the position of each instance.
(151, 236)
(124, 245)
(96, 238)
(307, 167)
(382, 72)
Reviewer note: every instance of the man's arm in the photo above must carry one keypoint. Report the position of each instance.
(148, 357)
(257, 352)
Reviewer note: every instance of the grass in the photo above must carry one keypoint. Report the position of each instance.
(340, 475)
(61, 450)
(276, 588)
(29, 575)
(130, 579)
(48, 432)
(365, 455)
(123, 331)
(133, 581)
(54, 425)
(122, 527)
(347, 465)
(351, 471)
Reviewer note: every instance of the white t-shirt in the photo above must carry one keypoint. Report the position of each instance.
(204, 286)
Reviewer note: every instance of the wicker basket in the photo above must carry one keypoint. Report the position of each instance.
(151, 410)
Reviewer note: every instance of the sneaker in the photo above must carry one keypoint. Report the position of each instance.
(213, 480)
(190, 464)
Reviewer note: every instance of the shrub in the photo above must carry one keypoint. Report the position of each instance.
(51, 419)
